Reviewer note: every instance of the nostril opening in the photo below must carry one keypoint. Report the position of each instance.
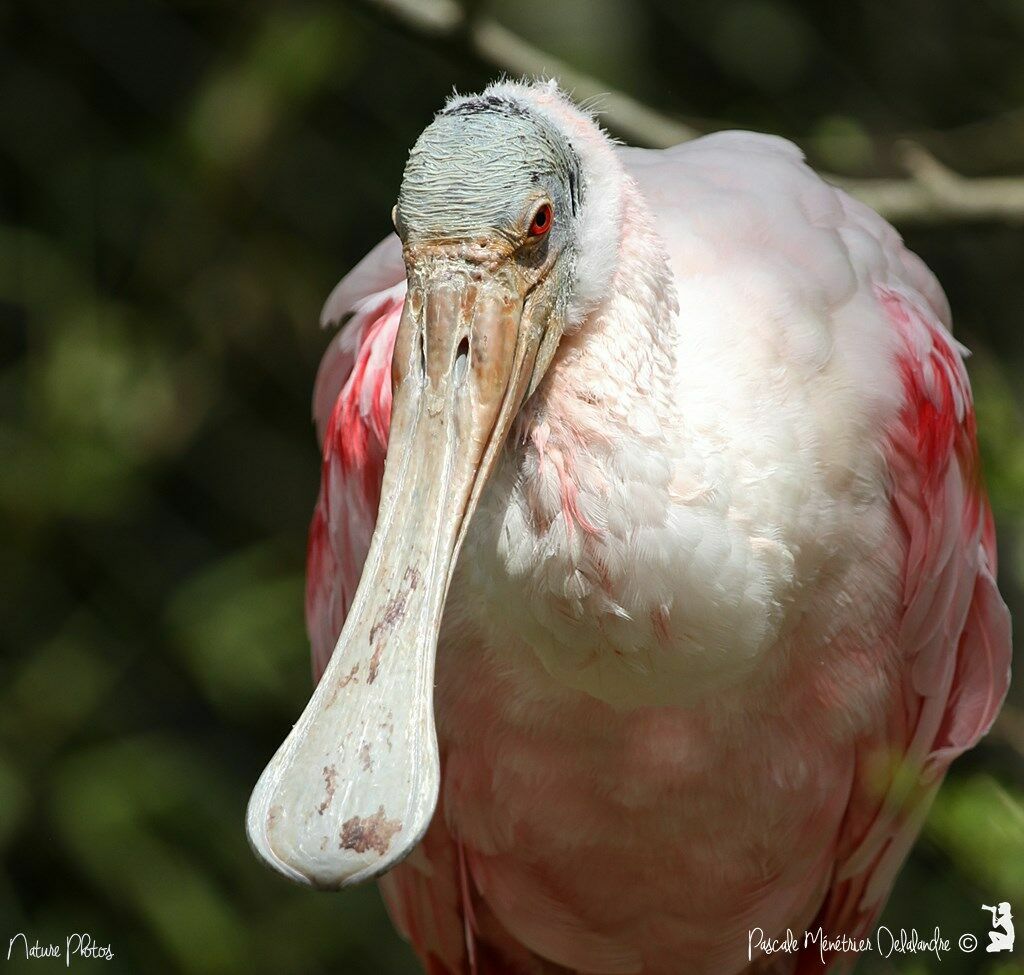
(462, 359)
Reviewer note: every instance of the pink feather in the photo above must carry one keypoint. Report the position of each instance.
(954, 637)
(471, 898)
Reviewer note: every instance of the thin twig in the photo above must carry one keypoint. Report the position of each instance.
(930, 192)
(629, 118)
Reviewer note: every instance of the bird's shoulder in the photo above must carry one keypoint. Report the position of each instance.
(745, 197)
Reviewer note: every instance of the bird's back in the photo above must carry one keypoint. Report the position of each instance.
(746, 191)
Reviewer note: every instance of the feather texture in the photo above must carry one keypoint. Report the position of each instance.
(727, 610)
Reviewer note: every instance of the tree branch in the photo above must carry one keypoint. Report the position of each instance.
(933, 193)
(929, 194)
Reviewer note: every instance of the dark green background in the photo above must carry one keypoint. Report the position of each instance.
(182, 184)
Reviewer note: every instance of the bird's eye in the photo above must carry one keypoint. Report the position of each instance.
(541, 222)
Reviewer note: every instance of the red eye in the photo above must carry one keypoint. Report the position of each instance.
(541, 222)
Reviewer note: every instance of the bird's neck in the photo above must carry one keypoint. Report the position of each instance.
(613, 375)
(588, 469)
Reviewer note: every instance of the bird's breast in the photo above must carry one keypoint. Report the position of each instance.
(654, 568)
(605, 839)
(628, 578)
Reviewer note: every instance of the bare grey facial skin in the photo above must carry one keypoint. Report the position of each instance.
(478, 167)
(488, 217)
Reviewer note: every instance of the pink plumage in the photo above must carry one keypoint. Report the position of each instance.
(850, 536)
(352, 401)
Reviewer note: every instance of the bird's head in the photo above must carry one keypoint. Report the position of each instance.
(509, 218)
(509, 201)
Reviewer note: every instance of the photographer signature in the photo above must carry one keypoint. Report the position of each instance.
(75, 946)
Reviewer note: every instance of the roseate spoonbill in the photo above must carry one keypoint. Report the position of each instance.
(679, 480)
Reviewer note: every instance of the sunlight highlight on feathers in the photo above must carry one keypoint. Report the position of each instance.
(726, 610)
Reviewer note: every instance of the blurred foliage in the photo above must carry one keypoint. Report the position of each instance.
(182, 184)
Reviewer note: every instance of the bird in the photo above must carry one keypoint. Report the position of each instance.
(651, 583)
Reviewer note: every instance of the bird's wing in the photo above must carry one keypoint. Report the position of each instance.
(352, 410)
(954, 634)
(353, 304)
